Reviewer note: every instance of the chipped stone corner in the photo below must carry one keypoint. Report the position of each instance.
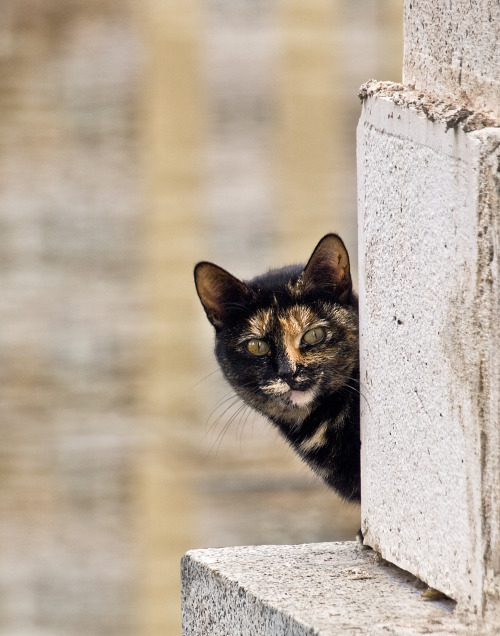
(453, 115)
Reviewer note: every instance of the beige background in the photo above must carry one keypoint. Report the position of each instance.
(136, 139)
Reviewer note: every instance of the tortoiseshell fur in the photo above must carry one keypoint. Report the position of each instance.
(310, 393)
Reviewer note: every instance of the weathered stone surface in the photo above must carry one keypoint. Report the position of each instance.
(312, 589)
(452, 115)
(429, 287)
(452, 51)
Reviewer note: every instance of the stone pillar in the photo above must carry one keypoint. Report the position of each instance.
(429, 240)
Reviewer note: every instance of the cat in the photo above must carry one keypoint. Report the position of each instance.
(287, 342)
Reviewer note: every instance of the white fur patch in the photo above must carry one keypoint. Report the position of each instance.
(276, 387)
(300, 398)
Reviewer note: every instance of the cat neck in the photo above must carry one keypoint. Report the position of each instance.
(328, 440)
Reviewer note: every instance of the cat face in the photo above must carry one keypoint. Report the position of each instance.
(288, 339)
(283, 360)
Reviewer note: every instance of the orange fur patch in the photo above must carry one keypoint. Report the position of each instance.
(294, 324)
(259, 323)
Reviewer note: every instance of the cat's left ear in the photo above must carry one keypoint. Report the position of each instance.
(328, 268)
(219, 292)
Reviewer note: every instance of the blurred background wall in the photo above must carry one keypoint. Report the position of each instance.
(137, 138)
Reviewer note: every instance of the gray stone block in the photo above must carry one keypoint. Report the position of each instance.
(319, 589)
(429, 241)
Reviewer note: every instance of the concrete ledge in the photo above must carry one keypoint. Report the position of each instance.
(314, 589)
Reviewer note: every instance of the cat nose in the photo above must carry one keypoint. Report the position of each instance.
(286, 370)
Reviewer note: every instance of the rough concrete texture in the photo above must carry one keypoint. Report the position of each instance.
(429, 232)
(452, 115)
(452, 51)
(318, 589)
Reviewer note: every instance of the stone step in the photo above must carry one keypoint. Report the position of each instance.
(321, 589)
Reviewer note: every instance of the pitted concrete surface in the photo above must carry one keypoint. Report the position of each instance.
(429, 290)
(319, 589)
(452, 51)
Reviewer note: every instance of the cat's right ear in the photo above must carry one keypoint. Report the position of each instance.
(219, 291)
(328, 268)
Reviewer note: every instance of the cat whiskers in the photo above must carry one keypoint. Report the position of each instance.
(206, 377)
(239, 411)
(230, 396)
(230, 401)
(356, 389)
(234, 401)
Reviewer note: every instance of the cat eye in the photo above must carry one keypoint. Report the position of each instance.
(257, 347)
(314, 336)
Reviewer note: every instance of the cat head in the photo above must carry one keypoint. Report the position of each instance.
(289, 338)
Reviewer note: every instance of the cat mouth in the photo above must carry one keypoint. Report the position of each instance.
(297, 397)
(291, 396)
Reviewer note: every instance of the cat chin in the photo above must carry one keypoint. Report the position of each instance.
(291, 406)
(299, 398)
(283, 394)
(294, 406)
